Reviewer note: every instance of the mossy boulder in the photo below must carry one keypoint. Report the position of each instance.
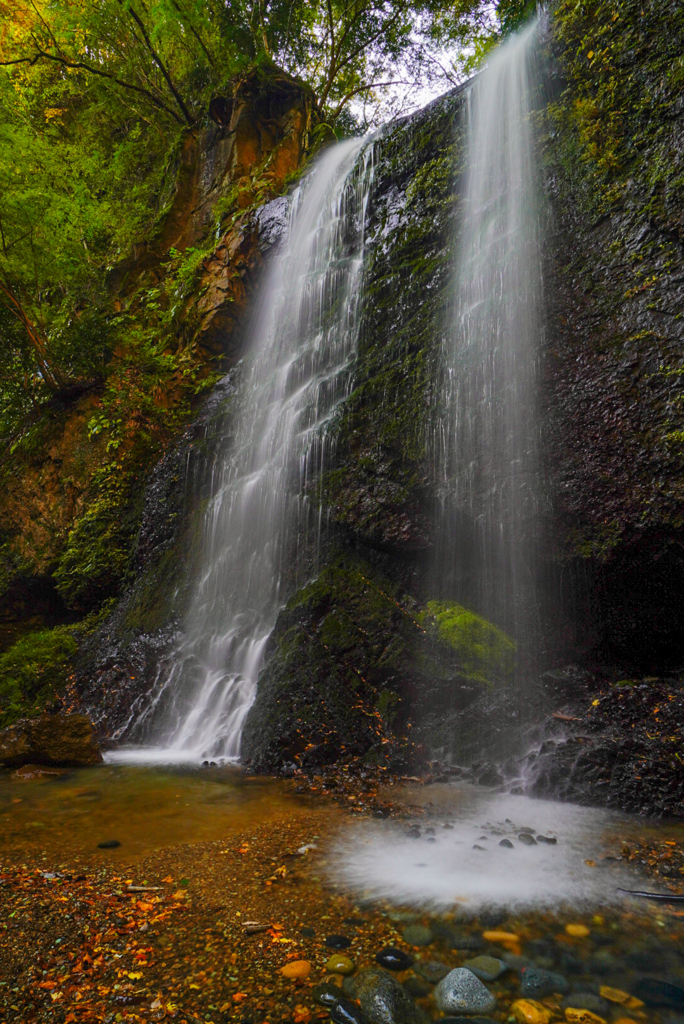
(354, 662)
(485, 652)
(34, 672)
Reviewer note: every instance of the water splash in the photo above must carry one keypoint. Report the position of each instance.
(487, 445)
(455, 858)
(298, 371)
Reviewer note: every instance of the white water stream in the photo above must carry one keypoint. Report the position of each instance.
(487, 451)
(298, 370)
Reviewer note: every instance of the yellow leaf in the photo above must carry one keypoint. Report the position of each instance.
(134, 975)
(589, 56)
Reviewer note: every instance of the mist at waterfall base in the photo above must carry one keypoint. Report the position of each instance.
(486, 444)
(453, 857)
(300, 352)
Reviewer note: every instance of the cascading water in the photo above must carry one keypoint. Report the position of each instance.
(301, 351)
(487, 449)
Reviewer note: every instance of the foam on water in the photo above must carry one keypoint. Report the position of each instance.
(380, 861)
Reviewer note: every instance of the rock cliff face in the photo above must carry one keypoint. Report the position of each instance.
(361, 662)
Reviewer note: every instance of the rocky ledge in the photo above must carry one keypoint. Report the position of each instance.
(67, 740)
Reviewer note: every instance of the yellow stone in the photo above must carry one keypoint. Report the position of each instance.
(576, 1016)
(509, 940)
(529, 1011)
(296, 969)
(616, 995)
(578, 931)
(338, 964)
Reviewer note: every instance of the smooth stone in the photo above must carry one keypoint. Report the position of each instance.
(526, 839)
(528, 1011)
(577, 931)
(487, 968)
(659, 993)
(326, 994)
(394, 959)
(432, 970)
(462, 992)
(507, 843)
(308, 933)
(296, 969)
(338, 964)
(603, 963)
(549, 840)
(109, 844)
(346, 1012)
(337, 942)
(576, 1016)
(586, 1001)
(536, 983)
(417, 988)
(469, 943)
(418, 935)
(383, 1000)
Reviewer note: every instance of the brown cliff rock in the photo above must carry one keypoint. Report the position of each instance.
(53, 739)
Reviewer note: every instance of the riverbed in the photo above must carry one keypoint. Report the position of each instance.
(220, 880)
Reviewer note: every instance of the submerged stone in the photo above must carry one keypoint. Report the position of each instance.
(432, 970)
(384, 1000)
(326, 994)
(346, 1012)
(487, 968)
(339, 964)
(462, 992)
(418, 935)
(337, 941)
(536, 983)
(394, 959)
(654, 992)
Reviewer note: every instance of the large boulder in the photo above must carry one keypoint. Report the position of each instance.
(53, 739)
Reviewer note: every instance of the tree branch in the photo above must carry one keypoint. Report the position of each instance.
(79, 64)
(190, 120)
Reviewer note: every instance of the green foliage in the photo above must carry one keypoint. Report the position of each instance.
(485, 652)
(34, 671)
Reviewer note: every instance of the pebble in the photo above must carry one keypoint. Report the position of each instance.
(337, 942)
(338, 964)
(326, 994)
(616, 995)
(418, 935)
(527, 839)
(462, 992)
(296, 969)
(578, 931)
(394, 959)
(536, 983)
(487, 968)
(577, 1016)
(509, 940)
(383, 1000)
(346, 1012)
(549, 840)
(308, 933)
(528, 1011)
(654, 992)
(507, 843)
(586, 1001)
(109, 844)
(432, 970)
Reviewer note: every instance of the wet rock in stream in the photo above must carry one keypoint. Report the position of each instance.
(384, 1000)
(394, 959)
(461, 992)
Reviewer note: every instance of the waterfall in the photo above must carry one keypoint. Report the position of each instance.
(297, 371)
(488, 464)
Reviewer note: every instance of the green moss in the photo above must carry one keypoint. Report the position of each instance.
(485, 652)
(34, 671)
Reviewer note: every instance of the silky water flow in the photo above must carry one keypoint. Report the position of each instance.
(297, 371)
(487, 444)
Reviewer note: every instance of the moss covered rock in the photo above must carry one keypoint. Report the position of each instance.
(353, 664)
